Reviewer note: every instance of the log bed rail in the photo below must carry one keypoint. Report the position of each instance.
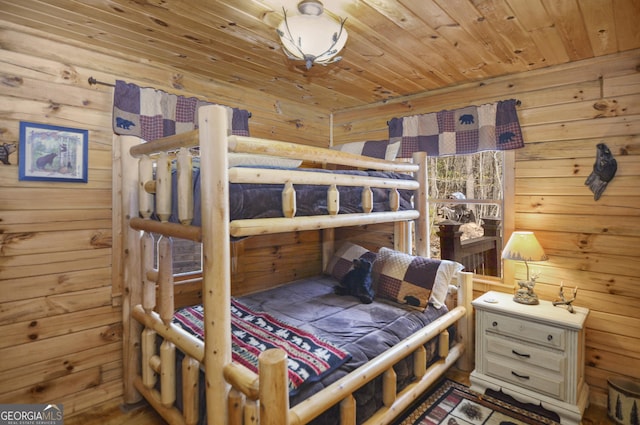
(235, 395)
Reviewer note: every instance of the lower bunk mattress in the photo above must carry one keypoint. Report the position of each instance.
(344, 334)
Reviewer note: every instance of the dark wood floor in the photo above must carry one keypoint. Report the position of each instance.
(114, 414)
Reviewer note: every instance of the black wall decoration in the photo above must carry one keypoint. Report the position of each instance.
(604, 169)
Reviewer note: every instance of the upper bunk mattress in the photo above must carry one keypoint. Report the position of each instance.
(265, 200)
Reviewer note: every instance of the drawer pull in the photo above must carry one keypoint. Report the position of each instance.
(526, 356)
(517, 375)
(494, 324)
(549, 337)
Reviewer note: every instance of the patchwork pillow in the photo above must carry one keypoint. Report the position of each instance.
(342, 259)
(380, 149)
(413, 281)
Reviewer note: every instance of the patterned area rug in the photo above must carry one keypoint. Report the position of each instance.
(451, 403)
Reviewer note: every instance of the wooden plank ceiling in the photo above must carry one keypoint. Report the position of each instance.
(395, 47)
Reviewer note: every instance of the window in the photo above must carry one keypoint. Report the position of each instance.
(186, 255)
(467, 216)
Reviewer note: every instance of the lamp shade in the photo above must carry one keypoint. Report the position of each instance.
(523, 246)
(312, 36)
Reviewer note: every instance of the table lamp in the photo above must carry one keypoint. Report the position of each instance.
(523, 246)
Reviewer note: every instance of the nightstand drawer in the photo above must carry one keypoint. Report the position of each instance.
(526, 330)
(527, 377)
(525, 354)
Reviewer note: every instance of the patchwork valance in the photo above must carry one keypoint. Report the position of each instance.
(466, 130)
(151, 114)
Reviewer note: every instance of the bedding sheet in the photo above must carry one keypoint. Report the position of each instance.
(362, 330)
(265, 200)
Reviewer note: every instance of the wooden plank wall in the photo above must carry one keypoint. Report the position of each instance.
(565, 112)
(60, 317)
(259, 263)
(59, 309)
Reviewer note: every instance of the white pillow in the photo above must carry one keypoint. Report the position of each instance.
(448, 269)
(256, 160)
(380, 149)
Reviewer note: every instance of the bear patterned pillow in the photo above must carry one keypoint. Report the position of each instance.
(342, 259)
(412, 280)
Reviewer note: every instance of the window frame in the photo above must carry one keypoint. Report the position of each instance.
(508, 217)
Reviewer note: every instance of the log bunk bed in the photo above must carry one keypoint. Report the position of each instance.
(233, 393)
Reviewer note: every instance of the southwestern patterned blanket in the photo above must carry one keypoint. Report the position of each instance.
(310, 358)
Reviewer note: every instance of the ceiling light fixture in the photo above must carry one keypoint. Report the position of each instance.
(311, 36)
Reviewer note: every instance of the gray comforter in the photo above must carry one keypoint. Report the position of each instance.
(363, 330)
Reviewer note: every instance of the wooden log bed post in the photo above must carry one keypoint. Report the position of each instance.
(465, 325)
(216, 278)
(420, 203)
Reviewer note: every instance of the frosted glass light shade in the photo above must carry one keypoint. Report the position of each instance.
(312, 36)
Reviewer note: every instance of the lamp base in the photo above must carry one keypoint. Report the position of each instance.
(525, 294)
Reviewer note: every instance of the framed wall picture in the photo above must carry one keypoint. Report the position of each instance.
(51, 153)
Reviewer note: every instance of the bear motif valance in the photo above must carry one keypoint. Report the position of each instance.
(152, 114)
(466, 130)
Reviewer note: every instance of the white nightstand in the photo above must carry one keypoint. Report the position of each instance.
(535, 353)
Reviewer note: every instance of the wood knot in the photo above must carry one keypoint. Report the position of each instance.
(176, 81)
(69, 74)
(38, 389)
(298, 123)
(112, 333)
(99, 240)
(11, 80)
(160, 22)
(54, 106)
(600, 106)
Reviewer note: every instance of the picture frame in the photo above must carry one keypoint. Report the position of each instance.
(53, 153)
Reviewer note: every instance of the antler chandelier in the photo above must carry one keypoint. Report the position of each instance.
(311, 36)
